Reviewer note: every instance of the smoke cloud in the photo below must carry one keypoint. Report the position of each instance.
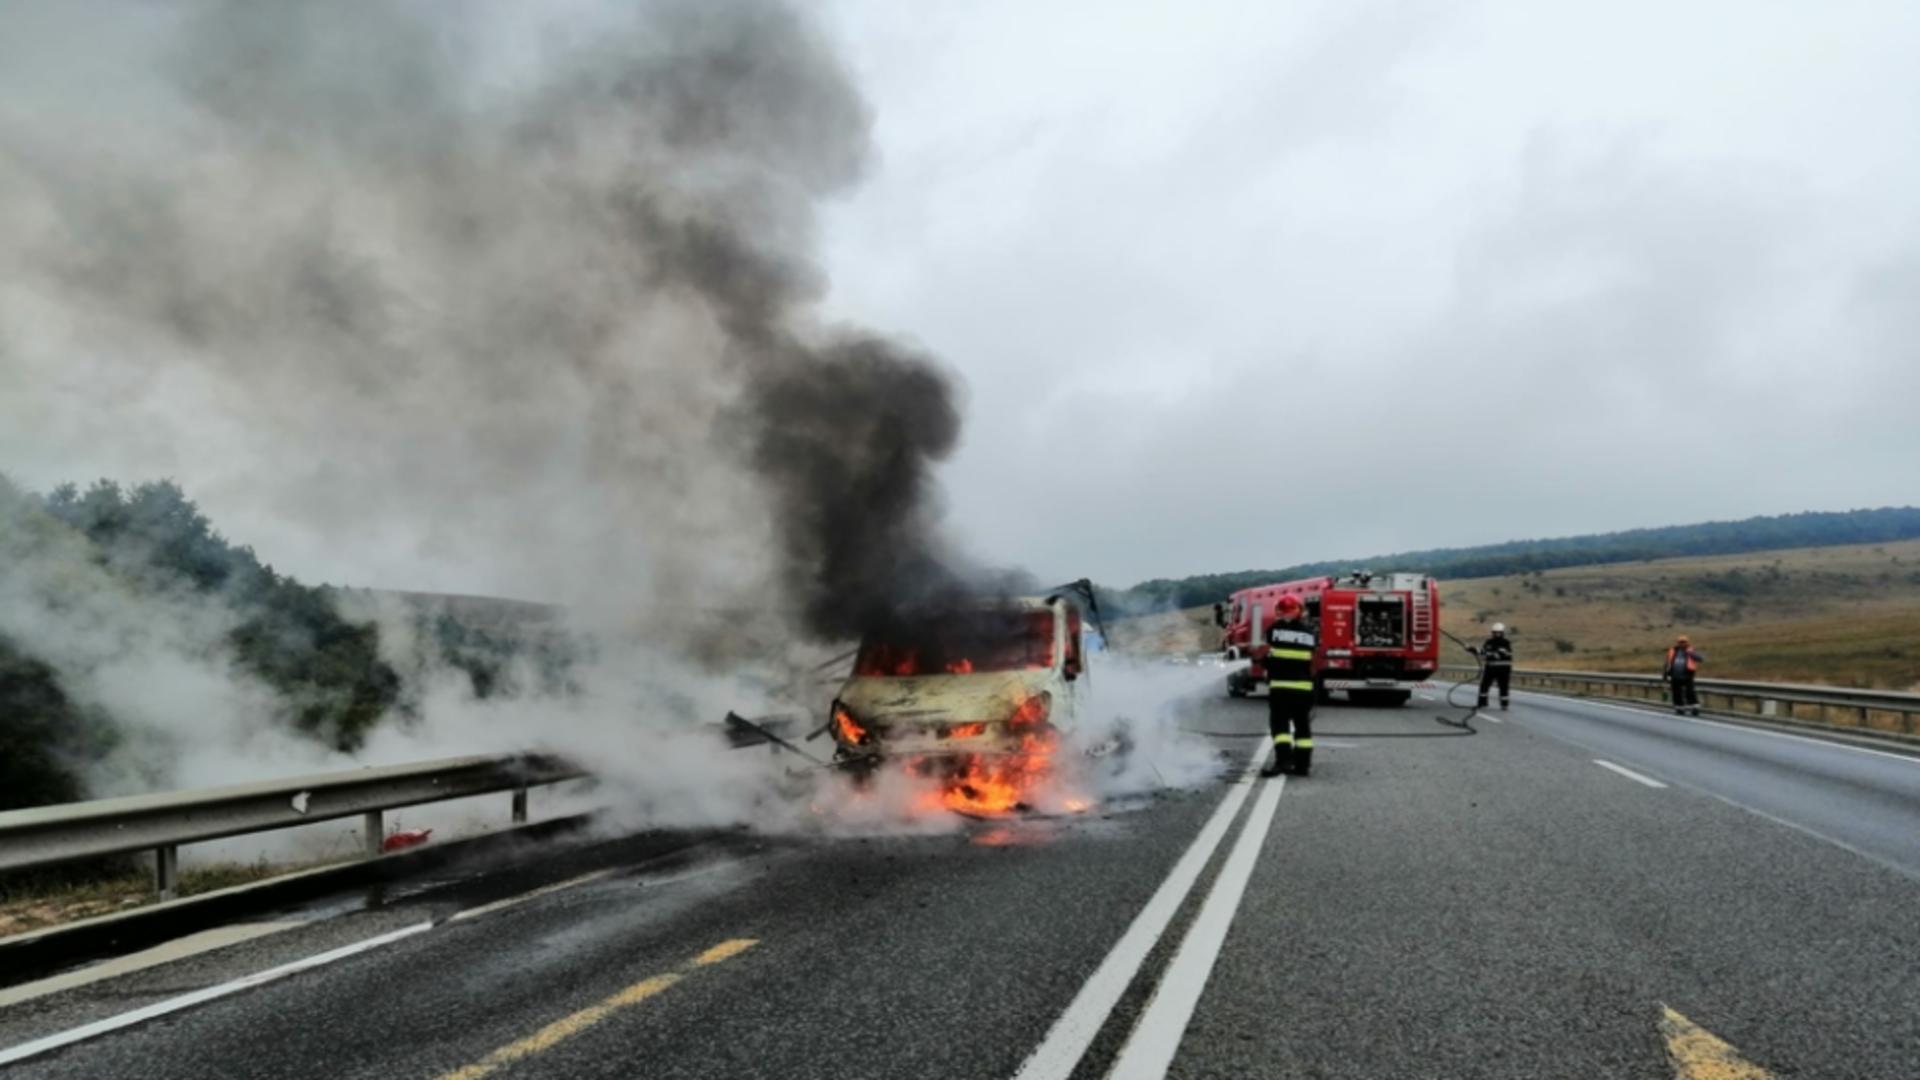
(399, 276)
(532, 293)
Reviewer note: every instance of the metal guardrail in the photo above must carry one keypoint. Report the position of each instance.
(1883, 711)
(49, 835)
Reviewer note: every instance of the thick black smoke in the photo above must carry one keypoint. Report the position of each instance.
(845, 436)
(540, 297)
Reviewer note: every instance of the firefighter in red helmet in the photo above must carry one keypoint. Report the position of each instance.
(1289, 663)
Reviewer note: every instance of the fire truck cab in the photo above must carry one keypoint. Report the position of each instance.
(1379, 637)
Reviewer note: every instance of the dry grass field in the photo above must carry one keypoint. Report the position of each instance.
(1843, 616)
(35, 908)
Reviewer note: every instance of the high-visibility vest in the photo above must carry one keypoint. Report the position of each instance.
(1692, 660)
(1289, 659)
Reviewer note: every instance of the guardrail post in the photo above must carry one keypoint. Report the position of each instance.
(373, 832)
(519, 806)
(1864, 716)
(1770, 707)
(166, 870)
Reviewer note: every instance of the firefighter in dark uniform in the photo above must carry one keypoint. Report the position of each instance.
(1290, 644)
(1683, 662)
(1496, 665)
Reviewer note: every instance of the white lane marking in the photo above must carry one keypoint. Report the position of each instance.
(199, 997)
(1629, 773)
(179, 949)
(1878, 860)
(1805, 830)
(1749, 729)
(1073, 1032)
(1149, 1051)
(534, 894)
(1428, 697)
(1488, 716)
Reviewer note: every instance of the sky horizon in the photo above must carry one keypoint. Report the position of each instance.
(1228, 287)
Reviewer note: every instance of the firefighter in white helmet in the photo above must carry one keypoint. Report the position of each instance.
(1496, 665)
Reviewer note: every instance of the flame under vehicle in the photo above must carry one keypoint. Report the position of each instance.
(977, 696)
(1379, 634)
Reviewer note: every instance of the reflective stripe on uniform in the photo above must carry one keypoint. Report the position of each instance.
(1290, 686)
(1283, 740)
(1303, 744)
(1291, 654)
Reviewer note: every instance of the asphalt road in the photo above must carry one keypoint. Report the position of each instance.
(1427, 904)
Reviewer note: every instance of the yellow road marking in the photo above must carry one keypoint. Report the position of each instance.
(726, 950)
(568, 1026)
(1699, 1054)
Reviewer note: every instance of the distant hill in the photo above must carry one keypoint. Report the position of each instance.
(1839, 615)
(1780, 532)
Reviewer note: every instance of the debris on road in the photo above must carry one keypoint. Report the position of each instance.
(402, 839)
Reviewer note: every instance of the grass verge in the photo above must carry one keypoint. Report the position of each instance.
(32, 905)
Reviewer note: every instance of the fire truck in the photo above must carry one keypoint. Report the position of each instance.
(1379, 634)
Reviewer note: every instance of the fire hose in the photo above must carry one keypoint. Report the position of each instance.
(1465, 722)
(1463, 725)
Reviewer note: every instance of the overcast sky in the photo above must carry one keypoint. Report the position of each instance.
(1241, 285)
(1245, 285)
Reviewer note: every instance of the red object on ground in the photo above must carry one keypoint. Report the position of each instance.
(404, 839)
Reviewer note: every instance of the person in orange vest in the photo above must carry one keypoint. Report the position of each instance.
(1683, 660)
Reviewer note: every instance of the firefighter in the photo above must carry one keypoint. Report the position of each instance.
(1496, 665)
(1290, 644)
(1683, 662)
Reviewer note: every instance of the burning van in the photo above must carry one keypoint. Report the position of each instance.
(977, 696)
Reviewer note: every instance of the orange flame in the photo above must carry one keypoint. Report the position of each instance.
(984, 784)
(850, 728)
(992, 787)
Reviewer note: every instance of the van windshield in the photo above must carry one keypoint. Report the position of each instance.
(962, 643)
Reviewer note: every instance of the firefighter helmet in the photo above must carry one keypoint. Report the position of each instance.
(1288, 607)
(1499, 628)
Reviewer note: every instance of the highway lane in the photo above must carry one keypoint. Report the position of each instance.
(1496, 905)
(942, 955)
(1504, 907)
(1864, 798)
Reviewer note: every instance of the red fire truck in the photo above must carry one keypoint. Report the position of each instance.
(1379, 633)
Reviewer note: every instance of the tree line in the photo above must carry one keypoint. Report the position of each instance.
(148, 552)
(152, 541)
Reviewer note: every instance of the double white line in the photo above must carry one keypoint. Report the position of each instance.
(1149, 1050)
